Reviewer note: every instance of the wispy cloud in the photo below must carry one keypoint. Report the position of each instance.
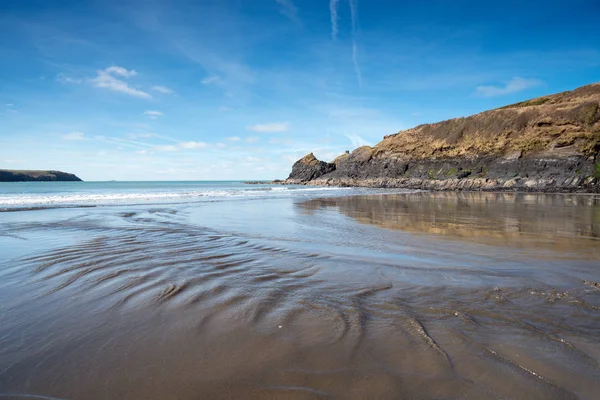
(288, 9)
(74, 136)
(212, 80)
(181, 146)
(143, 135)
(168, 147)
(162, 89)
(62, 78)
(234, 139)
(334, 18)
(152, 114)
(270, 127)
(357, 140)
(193, 145)
(120, 71)
(252, 139)
(513, 86)
(109, 79)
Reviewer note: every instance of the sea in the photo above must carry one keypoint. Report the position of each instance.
(226, 290)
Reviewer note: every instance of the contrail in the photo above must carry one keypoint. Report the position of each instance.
(334, 18)
(354, 16)
(356, 66)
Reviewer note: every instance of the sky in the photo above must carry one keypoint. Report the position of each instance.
(240, 89)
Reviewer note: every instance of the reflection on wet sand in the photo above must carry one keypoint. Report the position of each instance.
(556, 222)
(147, 305)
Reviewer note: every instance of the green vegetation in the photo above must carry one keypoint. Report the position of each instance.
(588, 114)
(451, 172)
(528, 103)
(483, 171)
(592, 144)
(597, 171)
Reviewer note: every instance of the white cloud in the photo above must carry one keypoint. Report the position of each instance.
(144, 152)
(252, 139)
(192, 145)
(9, 105)
(108, 79)
(334, 18)
(234, 139)
(356, 140)
(270, 127)
(513, 86)
(220, 145)
(288, 9)
(74, 136)
(152, 114)
(162, 89)
(212, 80)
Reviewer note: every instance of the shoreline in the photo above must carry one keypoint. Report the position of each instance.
(514, 185)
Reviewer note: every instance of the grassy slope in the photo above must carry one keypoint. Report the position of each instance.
(560, 120)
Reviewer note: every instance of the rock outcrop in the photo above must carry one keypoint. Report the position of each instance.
(7, 175)
(309, 168)
(551, 143)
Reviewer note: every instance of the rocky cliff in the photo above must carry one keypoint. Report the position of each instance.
(551, 143)
(7, 175)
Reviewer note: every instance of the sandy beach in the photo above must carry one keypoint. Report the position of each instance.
(414, 295)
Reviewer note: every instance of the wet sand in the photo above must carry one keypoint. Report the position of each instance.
(420, 296)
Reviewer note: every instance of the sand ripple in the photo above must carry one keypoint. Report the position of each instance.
(153, 308)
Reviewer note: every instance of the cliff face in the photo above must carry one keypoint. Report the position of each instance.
(549, 143)
(32, 176)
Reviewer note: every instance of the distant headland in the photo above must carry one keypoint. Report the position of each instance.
(8, 175)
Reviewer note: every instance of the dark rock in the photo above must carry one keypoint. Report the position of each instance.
(309, 168)
(36, 176)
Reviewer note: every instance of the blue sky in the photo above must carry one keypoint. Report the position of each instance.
(240, 89)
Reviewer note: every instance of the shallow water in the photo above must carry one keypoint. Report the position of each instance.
(414, 295)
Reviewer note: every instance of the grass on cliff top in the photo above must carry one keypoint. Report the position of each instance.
(528, 103)
(34, 173)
